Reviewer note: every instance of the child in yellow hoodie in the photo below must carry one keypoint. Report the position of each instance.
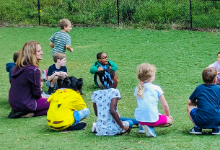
(67, 106)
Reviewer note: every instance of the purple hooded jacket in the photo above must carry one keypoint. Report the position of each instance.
(25, 88)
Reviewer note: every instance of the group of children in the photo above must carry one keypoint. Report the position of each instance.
(67, 107)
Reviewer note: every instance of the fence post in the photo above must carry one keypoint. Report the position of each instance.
(190, 9)
(39, 11)
(118, 11)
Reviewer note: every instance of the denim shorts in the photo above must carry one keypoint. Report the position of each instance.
(48, 84)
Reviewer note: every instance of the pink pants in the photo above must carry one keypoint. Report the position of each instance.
(162, 120)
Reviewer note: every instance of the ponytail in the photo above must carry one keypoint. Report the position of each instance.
(140, 90)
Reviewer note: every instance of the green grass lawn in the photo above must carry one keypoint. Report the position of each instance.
(180, 57)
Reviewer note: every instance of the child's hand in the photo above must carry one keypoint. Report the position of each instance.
(63, 74)
(171, 118)
(100, 68)
(218, 73)
(126, 128)
(71, 49)
(57, 73)
(110, 67)
(42, 96)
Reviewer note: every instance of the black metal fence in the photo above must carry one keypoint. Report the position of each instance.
(204, 14)
(160, 14)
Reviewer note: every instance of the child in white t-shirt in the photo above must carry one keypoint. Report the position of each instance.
(147, 95)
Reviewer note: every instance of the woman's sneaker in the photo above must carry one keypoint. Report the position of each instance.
(216, 131)
(141, 130)
(149, 131)
(196, 130)
(93, 127)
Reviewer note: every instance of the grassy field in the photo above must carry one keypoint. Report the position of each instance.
(180, 57)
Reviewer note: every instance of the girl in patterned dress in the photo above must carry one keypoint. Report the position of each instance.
(105, 107)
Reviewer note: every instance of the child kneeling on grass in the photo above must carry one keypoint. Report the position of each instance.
(147, 95)
(203, 104)
(67, 106)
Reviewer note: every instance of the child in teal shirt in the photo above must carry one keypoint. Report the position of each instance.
(102, 63)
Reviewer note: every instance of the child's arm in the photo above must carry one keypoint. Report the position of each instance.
(165, 105)
(51, 45)
(112, 66)
(94, 68)
(50, 78)
(114, 114)
(190, 103)
(68, 47)
(95, 108)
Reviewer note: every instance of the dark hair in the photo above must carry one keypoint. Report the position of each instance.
(98, 56)
(218, 53)
(209, 74)
(16, 54)
(71, 83)
(106, 77)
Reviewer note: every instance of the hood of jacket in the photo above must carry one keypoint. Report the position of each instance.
(9, 66)
(16, 72)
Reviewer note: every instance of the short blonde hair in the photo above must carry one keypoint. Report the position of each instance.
(145, 71)
(27, 55)
(57, 56)
(64, 23)
(209, 74)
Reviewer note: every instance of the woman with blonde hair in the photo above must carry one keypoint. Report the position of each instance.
(25, 93)
(148, 95)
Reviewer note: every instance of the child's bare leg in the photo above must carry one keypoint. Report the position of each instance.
(54, 81)
(189, 109)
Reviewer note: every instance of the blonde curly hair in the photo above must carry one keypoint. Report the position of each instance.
(145, 71)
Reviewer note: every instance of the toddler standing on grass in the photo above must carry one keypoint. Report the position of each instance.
(147, 95)
(216, 65)
(101, 64)
(60, 41)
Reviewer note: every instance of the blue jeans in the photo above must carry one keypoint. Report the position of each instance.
(81, 114)
(130, 121)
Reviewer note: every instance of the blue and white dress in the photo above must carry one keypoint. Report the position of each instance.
(106, 124)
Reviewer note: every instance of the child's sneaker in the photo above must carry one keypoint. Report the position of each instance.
(196, 130)
(149, 131)
(93, 127)
(78, 126)
(216, 131)
(50, 90)
(141, 130)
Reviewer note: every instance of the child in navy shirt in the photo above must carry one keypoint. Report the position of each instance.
(56, 71)
(203, 104)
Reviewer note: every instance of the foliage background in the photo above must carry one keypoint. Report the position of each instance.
(154, 14)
